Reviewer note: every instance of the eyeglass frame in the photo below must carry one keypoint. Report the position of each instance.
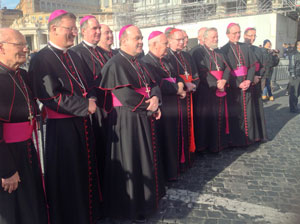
(23, 45)
(70, 29)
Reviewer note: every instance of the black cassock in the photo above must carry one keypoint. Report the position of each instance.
(198, 94)
(27, 204)
(240, 104)
(133, 185)
(94, 58)
(260, 130)
(211, 108)
(168, 128)
(185, 68)
(72, 183)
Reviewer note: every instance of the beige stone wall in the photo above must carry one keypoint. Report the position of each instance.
(7, 16)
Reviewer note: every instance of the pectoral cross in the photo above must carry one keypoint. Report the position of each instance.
(186, 74)
(30, 118)
(147, 90)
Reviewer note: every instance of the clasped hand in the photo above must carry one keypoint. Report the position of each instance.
(11, 184)
(153, 106)
(245, 85)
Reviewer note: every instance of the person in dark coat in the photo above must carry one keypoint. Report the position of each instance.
(294, 81)
(132, 185)
(258, 110)
(172, 89)
(271, 60)
(22, 199)
(59, 81)
(211, 110)
(240, 107)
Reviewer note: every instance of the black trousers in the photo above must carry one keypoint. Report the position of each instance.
(294, 92)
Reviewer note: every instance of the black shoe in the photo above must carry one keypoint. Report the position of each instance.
(294, 111)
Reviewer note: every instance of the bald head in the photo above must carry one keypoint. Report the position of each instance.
(200, 35)
(158, 45)
(7, 34)
(106, 38)
(131, 41)
(13, 48)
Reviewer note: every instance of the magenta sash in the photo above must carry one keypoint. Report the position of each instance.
(51, 114)
(116, 101)
(217, 74)
(172, 80)
(257, 66)
(17, 132)
(240, 71)
(142, 91)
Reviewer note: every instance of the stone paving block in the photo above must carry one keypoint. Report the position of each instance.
(200, 214)
(211, 221)
(214, 214)
(224, 221)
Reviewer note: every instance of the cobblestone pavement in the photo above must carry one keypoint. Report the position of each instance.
(258, 184)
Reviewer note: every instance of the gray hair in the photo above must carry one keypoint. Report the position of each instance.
(205, 35)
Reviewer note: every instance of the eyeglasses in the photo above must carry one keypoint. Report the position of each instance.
(70, 29)
(235, 33)
(21, 45)
(251, 35)
(178, 39)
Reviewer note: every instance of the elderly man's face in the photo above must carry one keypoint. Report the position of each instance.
(133, 44)
(66, 32)
(162, 45)
(107, 38)
(15, 49)
(176, 42)
(211, 40)
(92, 31)
(234, 34)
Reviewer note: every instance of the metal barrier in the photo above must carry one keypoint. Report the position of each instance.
(280, 72)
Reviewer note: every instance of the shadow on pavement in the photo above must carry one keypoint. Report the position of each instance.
(207, 176)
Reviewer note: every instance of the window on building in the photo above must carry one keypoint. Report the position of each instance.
(106, 3)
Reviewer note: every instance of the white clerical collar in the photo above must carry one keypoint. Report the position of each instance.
(57, 47)
(89, 44)
(209, 48)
